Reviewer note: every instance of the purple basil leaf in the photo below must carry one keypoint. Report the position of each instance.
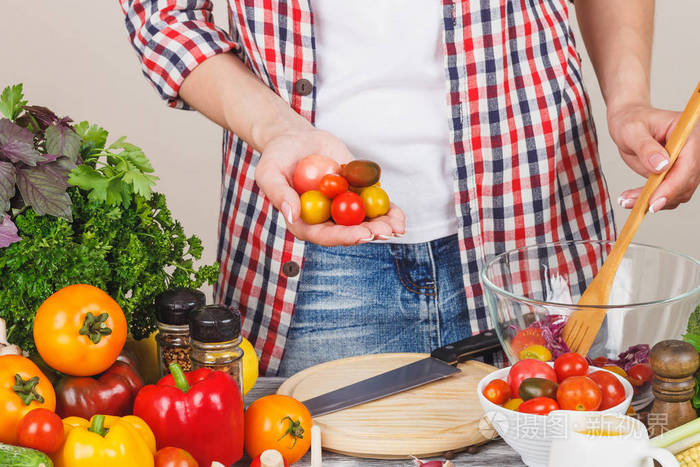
(43, 116)
(49, 158)
(7, 185)
(59, 169)
(61, 139)
(17, 143)
(44, 190)
(8, 232)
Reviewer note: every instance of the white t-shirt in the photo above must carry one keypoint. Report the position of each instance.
(382, 91)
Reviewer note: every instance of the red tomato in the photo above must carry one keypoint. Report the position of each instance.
(331, 185)
(600, 362)
(528, 368)
(497, 391)
(271, 457)
(310, 170)
(40, 429)
(570, 364)
(539, 406)
(348, 209)
(579, 393)
(174, 457)
(613, 392)
(525, 338)
(640, 373)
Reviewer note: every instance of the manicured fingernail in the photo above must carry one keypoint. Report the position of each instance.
(287, 212)
(383, 237)
(365, 240)
(399, 235)
(625, 202)
(657, 205)
(658, 161)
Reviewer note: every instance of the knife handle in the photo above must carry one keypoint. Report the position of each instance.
(470, 347)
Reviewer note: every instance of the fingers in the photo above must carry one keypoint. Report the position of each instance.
(273, 182)
(330, 234)
(650, 153)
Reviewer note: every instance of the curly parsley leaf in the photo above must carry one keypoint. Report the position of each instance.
(12, 101)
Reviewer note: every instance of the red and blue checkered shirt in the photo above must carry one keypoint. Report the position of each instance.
(521, 135)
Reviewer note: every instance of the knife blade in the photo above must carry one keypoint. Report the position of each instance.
(441, 364)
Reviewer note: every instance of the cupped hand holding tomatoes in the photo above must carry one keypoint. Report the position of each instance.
(278, 422)
(274, 175)
(80, 330)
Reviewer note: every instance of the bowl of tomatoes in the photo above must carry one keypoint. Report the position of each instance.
(529, 403)
(531, 291)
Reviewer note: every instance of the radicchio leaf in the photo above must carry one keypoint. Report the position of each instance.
(8, 232)
(17, 143)
(636, 354)
(61, 139)
(7, 185)
(44, 190)
(552, 327)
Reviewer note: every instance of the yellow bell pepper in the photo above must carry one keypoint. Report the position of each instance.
(106, 441)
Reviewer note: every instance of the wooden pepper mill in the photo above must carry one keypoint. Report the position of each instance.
(674, 363)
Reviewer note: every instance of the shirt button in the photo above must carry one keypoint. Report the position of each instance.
(303, 87)
(290, 268)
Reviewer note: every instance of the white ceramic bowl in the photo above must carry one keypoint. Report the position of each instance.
(529, 434)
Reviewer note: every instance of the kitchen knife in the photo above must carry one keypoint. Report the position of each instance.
(441, 364)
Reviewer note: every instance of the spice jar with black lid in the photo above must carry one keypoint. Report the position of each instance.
(173, 340)
(216, 338)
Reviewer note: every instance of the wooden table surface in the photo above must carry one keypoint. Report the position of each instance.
(494, 454)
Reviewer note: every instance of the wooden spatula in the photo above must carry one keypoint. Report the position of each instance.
(583, 324)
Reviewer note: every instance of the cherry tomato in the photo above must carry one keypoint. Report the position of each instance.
(538, 352)
(617, 370)
(271, 457)
(331, 185)
(376, 201)
(361, 173)
(529, 368)
(513, 404)
(310, 170)
(497, 391)
(174, 457)
(531, 388)
(613, 392)
(600, 361)
(315, 208)
(348, 209)
(525, 338)
(579, 393)
(640, 373)
(570, 364)
(539, 406)
(40, 429)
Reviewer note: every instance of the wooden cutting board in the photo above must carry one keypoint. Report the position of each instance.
(426, 421)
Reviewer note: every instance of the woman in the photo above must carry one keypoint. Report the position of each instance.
(476, 112)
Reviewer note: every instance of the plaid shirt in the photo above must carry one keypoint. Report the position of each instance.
(521, 135)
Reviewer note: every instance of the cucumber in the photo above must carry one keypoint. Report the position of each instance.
(15, 456)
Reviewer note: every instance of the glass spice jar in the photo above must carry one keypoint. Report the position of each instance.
(173, 339)
(216, 337)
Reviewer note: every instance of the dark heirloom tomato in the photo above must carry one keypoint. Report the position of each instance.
(528, 368)
(612, 390)
(539, 406)
(570, 364)
(361, 173)
(531, 388)
(347, 209)
(579, 393)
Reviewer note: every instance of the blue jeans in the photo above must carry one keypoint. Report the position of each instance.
(376, 298)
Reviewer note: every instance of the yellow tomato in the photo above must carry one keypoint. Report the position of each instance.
(376, 201)
(539, 352)
(250, 365)
(315, 208)
(513, 404)
(616, 369)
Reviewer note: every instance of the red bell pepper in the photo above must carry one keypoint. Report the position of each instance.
(112, 393)
(200, 411)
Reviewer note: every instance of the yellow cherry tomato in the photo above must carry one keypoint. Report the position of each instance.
(539, 352)
(513, 404)
(616, 369)
(315, 208)
(376, 201)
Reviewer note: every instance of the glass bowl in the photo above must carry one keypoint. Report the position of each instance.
(536, 287)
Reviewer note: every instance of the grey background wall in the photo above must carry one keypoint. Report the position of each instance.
(73, 56)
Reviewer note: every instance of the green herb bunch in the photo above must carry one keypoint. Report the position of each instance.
(117, 235)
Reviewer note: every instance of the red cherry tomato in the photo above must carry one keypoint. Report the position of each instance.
(613, 392)
(525, 338)
(40, 429)
(640, 373)
(174, 457)
(310, 170)
(579, 393)
(348, 209)
(539, 406)
(528, 368)
(497, 391)
(331, 185)
(600, 362)
(570, 364)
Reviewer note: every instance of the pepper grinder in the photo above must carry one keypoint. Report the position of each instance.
(674, 363)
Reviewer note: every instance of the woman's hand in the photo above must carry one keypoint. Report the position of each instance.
(274, 173)
(640, 131)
